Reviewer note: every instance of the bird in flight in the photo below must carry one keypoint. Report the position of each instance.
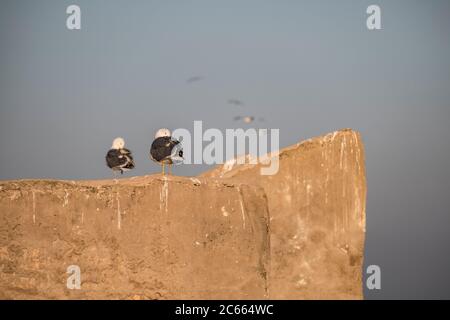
(246, 119)
(194, 79)
(236, 102)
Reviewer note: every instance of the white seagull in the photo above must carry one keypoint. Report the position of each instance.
(119, 158)
(166, 150)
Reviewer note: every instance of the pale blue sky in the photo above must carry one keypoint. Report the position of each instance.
(307, 67)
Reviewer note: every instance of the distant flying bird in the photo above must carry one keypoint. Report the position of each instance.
(236, 102)
(118, 158)
(194, 79)
(166, 149)
(246, 119)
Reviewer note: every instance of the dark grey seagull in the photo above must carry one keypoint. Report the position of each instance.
(166, 150)
(118, 158)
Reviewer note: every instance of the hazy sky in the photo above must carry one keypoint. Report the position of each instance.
(306, 67)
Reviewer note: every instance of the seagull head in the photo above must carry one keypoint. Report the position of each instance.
(118, 143)
(162, 133)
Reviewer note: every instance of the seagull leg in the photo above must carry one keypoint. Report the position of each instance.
(162, 166)
(170, 169)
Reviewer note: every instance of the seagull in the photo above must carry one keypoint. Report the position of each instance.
(194, 79)
(119, 158)
(236, 102)
(165, 149)
(246, 119)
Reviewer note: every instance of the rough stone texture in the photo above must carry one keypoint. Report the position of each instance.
(143, 238)
(317, 216)
(191, 238)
